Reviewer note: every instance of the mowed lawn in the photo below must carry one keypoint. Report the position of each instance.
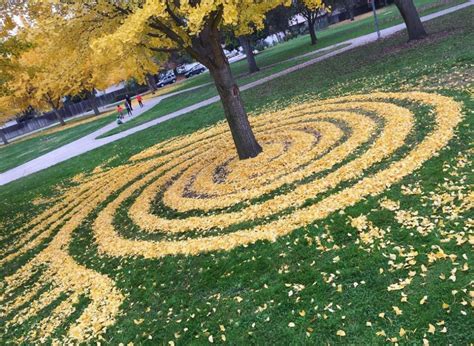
(271, 60)
(326, 282)
(30, 148)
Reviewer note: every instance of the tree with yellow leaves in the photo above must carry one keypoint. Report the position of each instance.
(5, 113)
(164, 26)
(60, 61)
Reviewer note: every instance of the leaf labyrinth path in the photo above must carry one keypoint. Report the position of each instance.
(191, 194)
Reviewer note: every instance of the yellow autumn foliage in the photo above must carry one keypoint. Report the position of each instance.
(193, 173)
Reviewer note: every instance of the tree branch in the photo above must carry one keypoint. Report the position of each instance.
(163, 50)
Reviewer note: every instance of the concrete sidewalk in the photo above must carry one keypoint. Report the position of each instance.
(91, 142)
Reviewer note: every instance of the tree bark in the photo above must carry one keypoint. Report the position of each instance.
(312, 32)
(151, 83)
(207, 49)
(93, 102)
(244, 139)
(3, 137)
(410, 15)
(252, 64)
(59, 117)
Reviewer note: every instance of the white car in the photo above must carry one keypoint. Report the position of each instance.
(195, 70)
(167, 77)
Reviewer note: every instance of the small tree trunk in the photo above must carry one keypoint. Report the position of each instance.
(93, 102)
(3, 137)
(244, 139)
(412, 20)
(151, 83)
(351, 14)
(245, 42)
(59, 117)
(312, 33)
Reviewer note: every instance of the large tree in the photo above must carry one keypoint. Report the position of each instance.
(165, 26)
(195, 27)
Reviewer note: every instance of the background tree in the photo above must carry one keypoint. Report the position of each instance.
(278, 20)
(310, 9)
(348, 6)
(246, 43)
(415, 28)
(6, 111)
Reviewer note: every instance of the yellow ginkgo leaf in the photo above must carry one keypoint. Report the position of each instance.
(397, 310)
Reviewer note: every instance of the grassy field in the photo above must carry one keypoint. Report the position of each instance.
(271, 60)
(27, 149)
(394, 266)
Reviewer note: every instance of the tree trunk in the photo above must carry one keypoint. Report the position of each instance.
(151, 83)
(312, 32)
(207, 49)
(245, 42)
(412, 20)
(351, 14)
(59, 117)
(244, 139)
(3, 137)
(93, 102)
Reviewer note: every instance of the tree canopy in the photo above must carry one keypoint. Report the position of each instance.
(79, 44)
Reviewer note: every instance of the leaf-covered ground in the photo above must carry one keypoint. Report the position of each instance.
(144, 241)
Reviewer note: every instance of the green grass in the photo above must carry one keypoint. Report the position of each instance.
(25, 150)
(179, 293)
(388, 16)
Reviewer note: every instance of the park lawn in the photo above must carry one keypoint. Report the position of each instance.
(271, 60)
(38, 144)
(340, 32)
(319, 284)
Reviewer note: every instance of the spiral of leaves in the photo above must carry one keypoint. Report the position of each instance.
(191, 194)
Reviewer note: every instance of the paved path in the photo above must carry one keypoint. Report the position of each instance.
(91, 141)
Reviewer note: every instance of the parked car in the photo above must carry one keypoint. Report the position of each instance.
(195, 70)
(167, 77)
(231, 54)
(182, 69)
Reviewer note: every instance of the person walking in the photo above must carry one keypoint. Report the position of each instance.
(129, 101)
(129, 109)
(119, 111)
(140, 100)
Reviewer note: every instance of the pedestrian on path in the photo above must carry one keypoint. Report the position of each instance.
(140, 99)
(129, 109)
(129, 101)
(119, 111)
